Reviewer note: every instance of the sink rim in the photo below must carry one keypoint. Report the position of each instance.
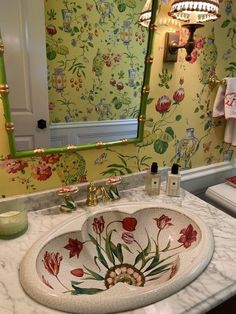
(104, 302)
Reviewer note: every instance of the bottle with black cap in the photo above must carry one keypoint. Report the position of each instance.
(153, 180)
(173, 181)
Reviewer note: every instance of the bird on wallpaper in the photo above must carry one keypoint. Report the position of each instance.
(101, 159)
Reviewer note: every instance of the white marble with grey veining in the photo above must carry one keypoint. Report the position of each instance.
(216, 284)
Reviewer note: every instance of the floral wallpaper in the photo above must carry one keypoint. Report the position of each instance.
(95, 53)
(179, 126)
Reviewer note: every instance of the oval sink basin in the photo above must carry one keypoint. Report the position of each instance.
(124, 257)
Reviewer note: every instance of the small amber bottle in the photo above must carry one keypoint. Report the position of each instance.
(153, 180)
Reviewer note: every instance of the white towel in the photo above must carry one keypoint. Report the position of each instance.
(230, 99)
(230, 132)
(218, 107)
(225, 106)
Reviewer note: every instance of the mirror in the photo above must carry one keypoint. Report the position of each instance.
(89, 65)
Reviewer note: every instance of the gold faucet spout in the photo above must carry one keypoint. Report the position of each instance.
(93, 192)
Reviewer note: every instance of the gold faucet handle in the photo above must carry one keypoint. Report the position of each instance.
(105, 195)
(92, 195)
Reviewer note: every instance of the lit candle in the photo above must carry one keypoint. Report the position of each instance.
(13, 223)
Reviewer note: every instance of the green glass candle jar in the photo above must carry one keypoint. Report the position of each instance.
(13, 223)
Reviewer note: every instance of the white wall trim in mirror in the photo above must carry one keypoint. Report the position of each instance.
(89, 132)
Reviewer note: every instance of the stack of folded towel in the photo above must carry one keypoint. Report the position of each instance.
(225, 106)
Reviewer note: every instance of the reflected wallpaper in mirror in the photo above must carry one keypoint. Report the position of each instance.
(95, 54)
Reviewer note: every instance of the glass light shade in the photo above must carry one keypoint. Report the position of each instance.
(145, 16)
(195, 11)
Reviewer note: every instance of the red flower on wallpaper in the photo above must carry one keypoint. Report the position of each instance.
(129, 223)
(163, 104)
(51, 159)
(188, 236)
(179, 94)
(163, 222)
(13, 165)
(98, 225)
(42, 171)
(78, 272)
(127, 237)
(51, 262)
(51, 29)
(83, 179)
(75, 247)
(199, 43)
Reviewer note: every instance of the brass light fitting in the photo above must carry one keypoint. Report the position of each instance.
(194, 13)
(172, 44)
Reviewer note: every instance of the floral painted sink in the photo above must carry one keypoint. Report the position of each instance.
(121, 258)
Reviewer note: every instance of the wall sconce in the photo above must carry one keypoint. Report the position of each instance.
(194, 13)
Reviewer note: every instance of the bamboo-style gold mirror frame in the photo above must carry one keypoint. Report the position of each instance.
(9, 125)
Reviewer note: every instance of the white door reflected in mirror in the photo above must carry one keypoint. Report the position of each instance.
(30, 78)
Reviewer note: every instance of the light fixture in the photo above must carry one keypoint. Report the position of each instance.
(145, 16)
(194, 13)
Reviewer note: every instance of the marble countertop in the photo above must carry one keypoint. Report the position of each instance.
(215, 285)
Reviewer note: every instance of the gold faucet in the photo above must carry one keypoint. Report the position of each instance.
(93, 192)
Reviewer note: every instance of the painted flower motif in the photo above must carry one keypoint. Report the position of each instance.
(78, 272)
(51, 159)
(199, 43)
(13, 165)
(83, 179)
(173, 271)
(51, 262)
(206, 147)
(129, 223)
(51, 106)
(163, 104)
(163, 222)
(194, 56)
(46, 282)
(127, 237)
(188, 236)
(117, 57)
(119, 86)
(179, 94)
(51, 29)
(75, 247)
(98, 225)
(42, 171)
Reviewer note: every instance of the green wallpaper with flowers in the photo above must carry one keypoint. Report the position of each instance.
(179, 125)
(95, 53)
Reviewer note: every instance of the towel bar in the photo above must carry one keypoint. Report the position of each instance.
(213, 81)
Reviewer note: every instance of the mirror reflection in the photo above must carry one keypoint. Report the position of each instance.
(83, 67)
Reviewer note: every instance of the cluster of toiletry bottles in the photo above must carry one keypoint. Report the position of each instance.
(153, 181)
